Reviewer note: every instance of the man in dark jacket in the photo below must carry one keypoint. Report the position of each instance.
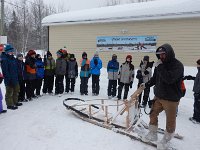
(10, 72)
(166, 80)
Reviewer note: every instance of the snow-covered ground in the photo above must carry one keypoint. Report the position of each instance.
(45, 124)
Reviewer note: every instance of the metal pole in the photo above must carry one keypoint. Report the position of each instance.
(2, 17)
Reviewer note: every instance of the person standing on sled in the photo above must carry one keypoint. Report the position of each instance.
(196, 90)
(125, 77)
(144, 74)
(166, 80)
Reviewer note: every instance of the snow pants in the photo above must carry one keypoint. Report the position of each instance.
(21, 96)
(48, 84)
(112, 88)
(170, 110)
(30, 88)
(70, 84)
(121, 85)
(38, 85)
(11, 96)
(84, 85)
(1, 98)
(95, 84)
(196, 114)
(59, 85)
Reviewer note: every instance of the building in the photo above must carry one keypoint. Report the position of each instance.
(172, 21)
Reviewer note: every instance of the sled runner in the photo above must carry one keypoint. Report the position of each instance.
(121, 116)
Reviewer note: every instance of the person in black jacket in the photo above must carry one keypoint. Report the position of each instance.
(72, 73)
(22, 78)
(166, 80)
(196, 89)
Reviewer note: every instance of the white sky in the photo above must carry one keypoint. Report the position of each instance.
(79, 4)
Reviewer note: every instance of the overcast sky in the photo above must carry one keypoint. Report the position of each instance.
(79, 4)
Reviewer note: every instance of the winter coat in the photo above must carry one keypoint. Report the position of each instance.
(95, 68)
(126, 73)
(39, 69)
(61, 65)
(1, 96)
(72, 69)
(50, 66)
(21, 70)
(30, 68)
(112, 69)
(167, 77)
(9, 69)
(196, 87)
(85, 68)
(145, 71)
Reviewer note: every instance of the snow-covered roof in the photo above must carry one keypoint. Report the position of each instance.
(159, 9)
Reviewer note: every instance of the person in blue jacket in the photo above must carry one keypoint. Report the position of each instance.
(10, 73)
(112, 69)
(39, 74)
(95, 65)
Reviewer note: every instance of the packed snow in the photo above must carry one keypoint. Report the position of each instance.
(45, 124)
(160, 9)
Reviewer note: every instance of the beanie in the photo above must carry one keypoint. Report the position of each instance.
(37, 56)
(31, 52)
(146, 58)
(49, 53)
(59, 52)
(198, 61)
(19, 55)
(96, 54)
(8, 48)
(72, 56)
(129, 56)
(84, 54)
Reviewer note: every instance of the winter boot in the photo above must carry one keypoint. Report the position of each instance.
(152, 135)
(164, 143)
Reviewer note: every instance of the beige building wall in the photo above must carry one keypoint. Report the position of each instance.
(182, 34)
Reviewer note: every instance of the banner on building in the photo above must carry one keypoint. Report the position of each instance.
(127, 43)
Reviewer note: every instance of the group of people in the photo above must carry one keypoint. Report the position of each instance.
(26, 77)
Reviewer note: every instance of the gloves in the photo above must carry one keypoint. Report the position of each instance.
(158, 63)
(142, 86)
(139, 74)
(146, 72)
(1, 79)
(95, 62)
(131, 84)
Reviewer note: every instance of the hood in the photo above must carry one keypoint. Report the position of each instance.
(169, 52)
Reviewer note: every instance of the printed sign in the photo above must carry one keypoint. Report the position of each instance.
(127, 43)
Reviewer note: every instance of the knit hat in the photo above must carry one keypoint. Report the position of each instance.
(8, 48)
(146, 58)
(129, 56)
(84, 54)
(96, 54)
(60, 52)
(38, 56)
(31, 52)
(72, 56)
(19, 55)
(49, 53)
(198, 61)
